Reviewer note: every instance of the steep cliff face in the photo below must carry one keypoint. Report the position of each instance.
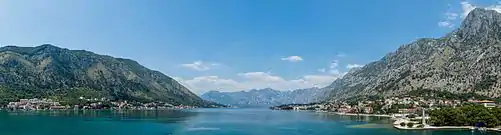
(48, 70)
(467, 60)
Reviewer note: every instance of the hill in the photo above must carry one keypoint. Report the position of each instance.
(50, 71)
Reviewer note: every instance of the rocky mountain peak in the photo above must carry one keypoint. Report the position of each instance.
(465, 61)
(481, 25)
(48, 46)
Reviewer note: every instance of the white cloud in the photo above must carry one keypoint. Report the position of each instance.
(203, 84)
(466, 8)
(496, 7)
(322, 70)
(350, 66)
(333, 68)
(445, 24)
(334, 72)
(341, 55)
(448, 20)
(320, 80)
(260, 76)
(451, 16)
(200, 65)
(334, 64)
(259, 80)
(293, 58)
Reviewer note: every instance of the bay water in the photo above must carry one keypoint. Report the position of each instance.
(201, 122)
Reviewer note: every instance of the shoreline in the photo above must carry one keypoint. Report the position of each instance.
(351, 114)
(361, 114)
(429, 127)
(107, 109)
(445, 128)
(348, 114)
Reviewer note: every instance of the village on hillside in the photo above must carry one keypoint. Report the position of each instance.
(88, 103)
(395, 105)
(414, 112)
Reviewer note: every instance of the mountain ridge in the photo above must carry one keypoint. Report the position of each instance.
(264, 97)
(48, 70)
(463, 61)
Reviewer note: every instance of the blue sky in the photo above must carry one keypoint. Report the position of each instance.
(232, 45)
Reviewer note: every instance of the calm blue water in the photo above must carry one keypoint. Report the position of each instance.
(199, 122)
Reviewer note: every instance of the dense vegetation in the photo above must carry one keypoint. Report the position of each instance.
(49, 71)
(465, 116)
(291, 106)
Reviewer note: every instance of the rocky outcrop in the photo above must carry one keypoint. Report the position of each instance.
(467, 60)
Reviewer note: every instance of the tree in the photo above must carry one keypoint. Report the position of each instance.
(410, 125)
(412, 116)
(465, 116)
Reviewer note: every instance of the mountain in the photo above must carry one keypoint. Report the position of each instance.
(467, 60)
(264, 97)
(50, 71)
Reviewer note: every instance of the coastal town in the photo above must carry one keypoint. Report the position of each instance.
(394, 105)
(408, 113)
(88, 103)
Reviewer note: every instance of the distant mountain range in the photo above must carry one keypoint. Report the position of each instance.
(50, 71)
(264, 97)
(467, 60)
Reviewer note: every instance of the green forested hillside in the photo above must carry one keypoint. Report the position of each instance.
(50, 71)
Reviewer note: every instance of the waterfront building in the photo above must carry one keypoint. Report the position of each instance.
(485, 103)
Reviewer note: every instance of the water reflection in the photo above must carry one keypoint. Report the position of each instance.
(159, 116)
(363, 119)
(198, 122)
